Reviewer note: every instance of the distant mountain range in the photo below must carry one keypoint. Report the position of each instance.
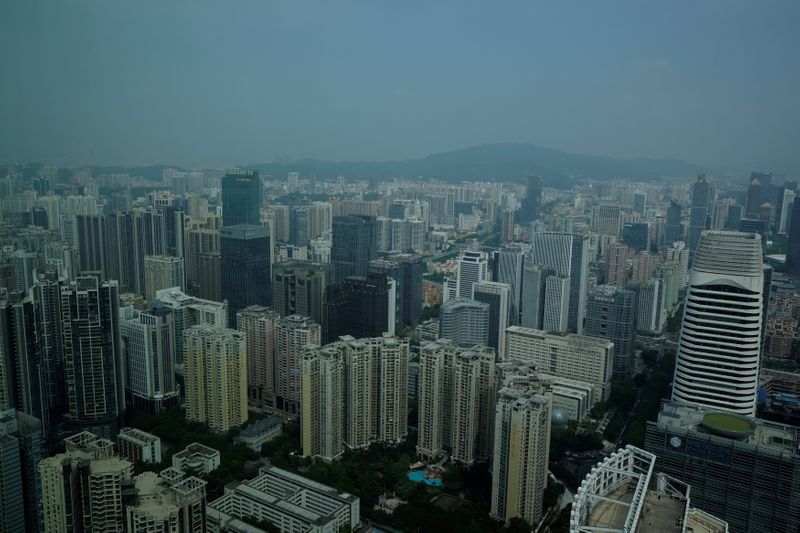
(500, 162)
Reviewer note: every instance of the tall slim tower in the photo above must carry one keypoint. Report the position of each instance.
(258, 325)
(241, 197)
(611, 314)
(292, 335)
(497, 296)
(793, 246)
(698, 213)
(719, 349)
(162, 272)
(245, 265)
(92, 355)
(354, 243)
(532, 204)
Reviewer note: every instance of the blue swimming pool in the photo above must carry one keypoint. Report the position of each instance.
(419, 477)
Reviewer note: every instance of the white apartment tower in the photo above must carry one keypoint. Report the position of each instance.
(472, 268)
(720, 342)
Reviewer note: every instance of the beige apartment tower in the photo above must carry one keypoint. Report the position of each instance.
(162, 272)
(216, 376)
(258, 325)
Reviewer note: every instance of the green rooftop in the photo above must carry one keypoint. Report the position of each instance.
(727, 423)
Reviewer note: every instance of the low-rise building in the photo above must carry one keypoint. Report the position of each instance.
(285, 500)
(196, 458)
(168, 502)
(257, 433)
(139, 446)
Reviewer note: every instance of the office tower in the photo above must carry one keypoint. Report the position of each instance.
(555, 308)
(406, 271)
(215, 362)
(616, 264)
(354, 393)
(91, 235)
(92, 355)
(258, 325)
(210, 276)
(533, 290)
(607, 219)
(465, 322)
(733, 218)
(278, 217)
(673, 231)
(522, 418)
(496, 295)
(753, 198)
(679, 254)
(698, 212)
(245, 267)
(298, 288)
(169, 501)
(531, 208)
(162, 272)
(292, 334)
(24, 264)
(793, 244)
(571, 356)
(456, 399)
(623, 492)
(285, 500)
(354, 243)
(199, 241)
(121, 252)
(651, 314)
(507, 225)
(298, 225)
(148, 344)
(241, 197)
(567, 254)
(84, 488)
(611, 314)
(21, 448)
(741, 469)
(509, 268)
(783, 217)
(361, 307)
(720, 342)
(188, 311)
(639, 202)
(472, 268)
(319, 219)
(636, 235)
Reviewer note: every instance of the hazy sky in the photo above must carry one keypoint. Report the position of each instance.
(213, 83)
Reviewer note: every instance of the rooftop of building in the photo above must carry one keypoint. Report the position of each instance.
(197, 449)
(767, 436)
(254, 429)
(157, 497)
(137, 435)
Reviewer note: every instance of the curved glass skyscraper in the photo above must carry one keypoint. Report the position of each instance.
(720, 341)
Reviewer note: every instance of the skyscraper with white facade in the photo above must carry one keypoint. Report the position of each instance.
(496, 295)
(720, 341)
(472, 268)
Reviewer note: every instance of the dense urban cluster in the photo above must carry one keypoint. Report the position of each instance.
(222, 351)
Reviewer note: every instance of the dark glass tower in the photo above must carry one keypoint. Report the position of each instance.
(636, 235)
(241, 197)
(672, 227)
(245, 267)
(354, 244)
(793, 247)
(359, 307)
(531, 208)
(698, 213)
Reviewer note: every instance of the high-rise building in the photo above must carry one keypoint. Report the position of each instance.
(92, 355)
(472, 268)
(509, 267)
(611, 314)
(162, 272)
(465, 322)
(169, 501)
(241, 197)
(245, 267)
(531, 208)
(354, 393)
(215, 362)
(720, 341)
(673, 231)
(698, 212)
(567, 254)
(354, 243)
(607, 219)
(292, 334)
(741, 469)
(496, 295)
(361, 306)
(258, 325)
(753, 199)
(733, 220)
(507, 225)
(298, 288)
(22, 447)
(636, 235)
(793, 244)
(571, 356)
(406, 271)
(148, 344)
(783, 217)
(679, 254)
(639, 202)
(456, 399)
(523, 410)
(616, 264)
(84, 488)
(651, 314)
